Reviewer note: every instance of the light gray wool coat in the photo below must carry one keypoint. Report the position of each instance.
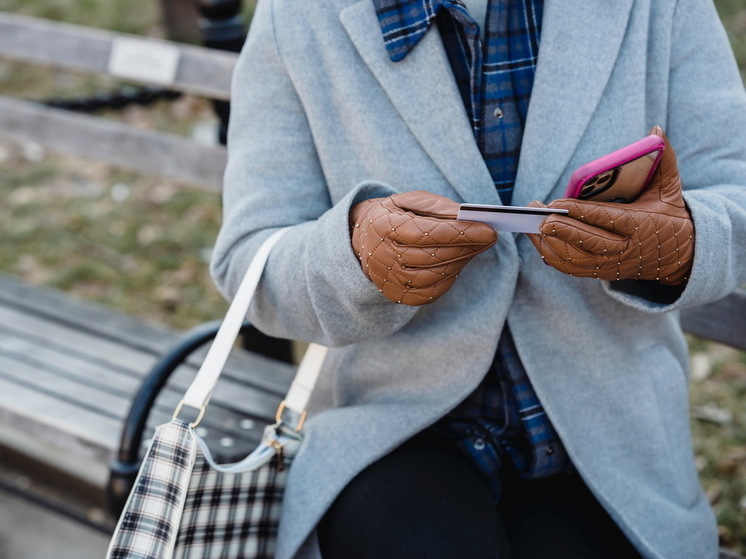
(321, 119)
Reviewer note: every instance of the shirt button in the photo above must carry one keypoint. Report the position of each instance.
(499, 113)
(549, 451)
(479, 444)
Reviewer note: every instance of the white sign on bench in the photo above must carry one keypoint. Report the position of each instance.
(147, 61)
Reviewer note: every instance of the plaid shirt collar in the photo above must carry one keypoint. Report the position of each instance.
(405, 22)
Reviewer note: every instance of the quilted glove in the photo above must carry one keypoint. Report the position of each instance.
(411, 246)
(651, 238)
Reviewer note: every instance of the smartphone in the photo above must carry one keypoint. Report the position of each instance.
(620, 176)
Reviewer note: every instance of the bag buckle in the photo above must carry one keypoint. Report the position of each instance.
(301, 419)
(197, 421)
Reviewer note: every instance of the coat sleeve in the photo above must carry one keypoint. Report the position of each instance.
(313, 288)
(707, 126)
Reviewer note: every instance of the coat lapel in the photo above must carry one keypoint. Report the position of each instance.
(575, 63)
(580, 42)
(424, 92)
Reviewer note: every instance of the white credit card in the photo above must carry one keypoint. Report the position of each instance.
(514, 219)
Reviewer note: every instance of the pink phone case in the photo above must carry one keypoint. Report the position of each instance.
(620, 176)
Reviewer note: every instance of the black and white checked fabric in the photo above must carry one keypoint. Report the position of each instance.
(184, 506)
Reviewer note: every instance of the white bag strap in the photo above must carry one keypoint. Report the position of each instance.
(198, 394)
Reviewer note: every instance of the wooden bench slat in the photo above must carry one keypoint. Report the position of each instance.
(19, 348)
(90, 384)
(723, 321)
(85, 422)
(114, 142)
(200, 71)
(85, 362)
(63, 308)
(89, 405)
(88, 355)
(64, 422)
(80, 394)
(49, 419)
(98, 350)
(229, 397)
(96, 333)
(229, 393)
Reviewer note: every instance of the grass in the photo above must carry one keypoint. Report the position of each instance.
(733, 14)
(141, 243)
(140, 17)
(129, 241)
(718, 394)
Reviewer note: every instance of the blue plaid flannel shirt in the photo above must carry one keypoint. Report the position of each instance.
(503, 417)
(496, 88)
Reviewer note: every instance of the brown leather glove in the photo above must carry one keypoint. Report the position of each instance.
(651, 238)
(411, 246)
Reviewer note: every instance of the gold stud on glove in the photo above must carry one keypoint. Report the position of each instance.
(411, 246)
(651, 238)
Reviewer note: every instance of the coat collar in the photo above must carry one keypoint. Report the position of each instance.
(579, 45)
(423, 90)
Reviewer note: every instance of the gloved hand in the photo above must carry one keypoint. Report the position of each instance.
(651, 238)
(411, 246)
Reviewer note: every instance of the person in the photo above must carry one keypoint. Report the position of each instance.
(487, 394)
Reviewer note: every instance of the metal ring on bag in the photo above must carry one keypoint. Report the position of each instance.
(197, 421)
(301, 420)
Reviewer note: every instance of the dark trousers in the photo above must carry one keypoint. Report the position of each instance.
(425, 500)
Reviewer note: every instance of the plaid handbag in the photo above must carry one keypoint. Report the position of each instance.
(186, 506)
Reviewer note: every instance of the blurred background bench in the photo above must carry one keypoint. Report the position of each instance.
(69, 370)
(197, 70)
